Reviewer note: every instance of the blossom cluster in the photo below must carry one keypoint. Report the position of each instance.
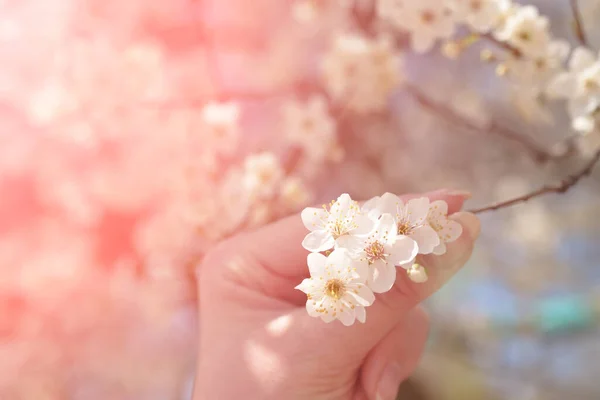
(362, 70)
(355, 250)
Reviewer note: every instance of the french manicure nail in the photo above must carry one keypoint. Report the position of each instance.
(462, 193)
(390, 380)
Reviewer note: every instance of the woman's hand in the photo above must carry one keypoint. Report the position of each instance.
(258, 342)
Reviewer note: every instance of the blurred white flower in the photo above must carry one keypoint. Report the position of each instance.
(327, 226)
(361, 73)
(310, 126)
(220, 128)
(262, 175)
(447, 229)
(294, 193)
(417, 273)
(411, 218)
(426, 20)
(581, 87)
(336, 288)
(526, 30)
(382, 250)
(536, 71)
(480, 15)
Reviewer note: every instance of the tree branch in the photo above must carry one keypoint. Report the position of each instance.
(558, 187)
(577, 23)
(511, 49)
(537, 152)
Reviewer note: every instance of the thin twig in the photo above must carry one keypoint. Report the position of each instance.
(558, 187)
(506, 46)
(537, 152)
(577, 23)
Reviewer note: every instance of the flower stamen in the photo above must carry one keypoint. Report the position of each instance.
(335, 288)
(375, 251)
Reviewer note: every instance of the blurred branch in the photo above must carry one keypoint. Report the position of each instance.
(537, 152)
(511, 49)
(577, 23)
(558, 187)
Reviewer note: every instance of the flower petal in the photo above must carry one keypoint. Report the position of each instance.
(313, 218)
(318, 241)
(339, 258)
(438, 208)
(581, 58)
(426, 238)
(354, 244)
(389, 204)
(364, 225)
(346, 316)
(370, 207)
(306, 286)
(404, 250)
(563, 85)
(311, 308)
(386, 229)
(316, 264)
(440, 249)
(361, 295)
(450, 230)
(382, 277)
(327, 317)
(341, 206)
(417, 210)
(361, 314)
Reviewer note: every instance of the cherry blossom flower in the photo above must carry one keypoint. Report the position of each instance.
(336, 288)
(536, 71)
(581, 87)
(426, 20)
(417, 273)
(310, 126)
(294, 193)
(526, 30)
(447, 229)
(411, 219)
(220, 130)
(383, 249)
(480, 15)
(343, 217)
(361, 73)
(262, 175)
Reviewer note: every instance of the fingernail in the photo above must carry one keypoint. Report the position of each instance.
(390, 381)
(462, 193)
(469, 222)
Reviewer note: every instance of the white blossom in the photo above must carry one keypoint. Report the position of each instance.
(361, 73)
(294, 193)
(526, 30)
(447, 229)
(580, 85)
(426, 20)
(337, 287)
(343, 217)
(411, 219)
(383, 249)
(262, 175)
(311, 126)
(220, 126)
(480, 15)
(536, 71)
(417, 273)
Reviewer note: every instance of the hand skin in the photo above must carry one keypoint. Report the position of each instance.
(258, 342)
